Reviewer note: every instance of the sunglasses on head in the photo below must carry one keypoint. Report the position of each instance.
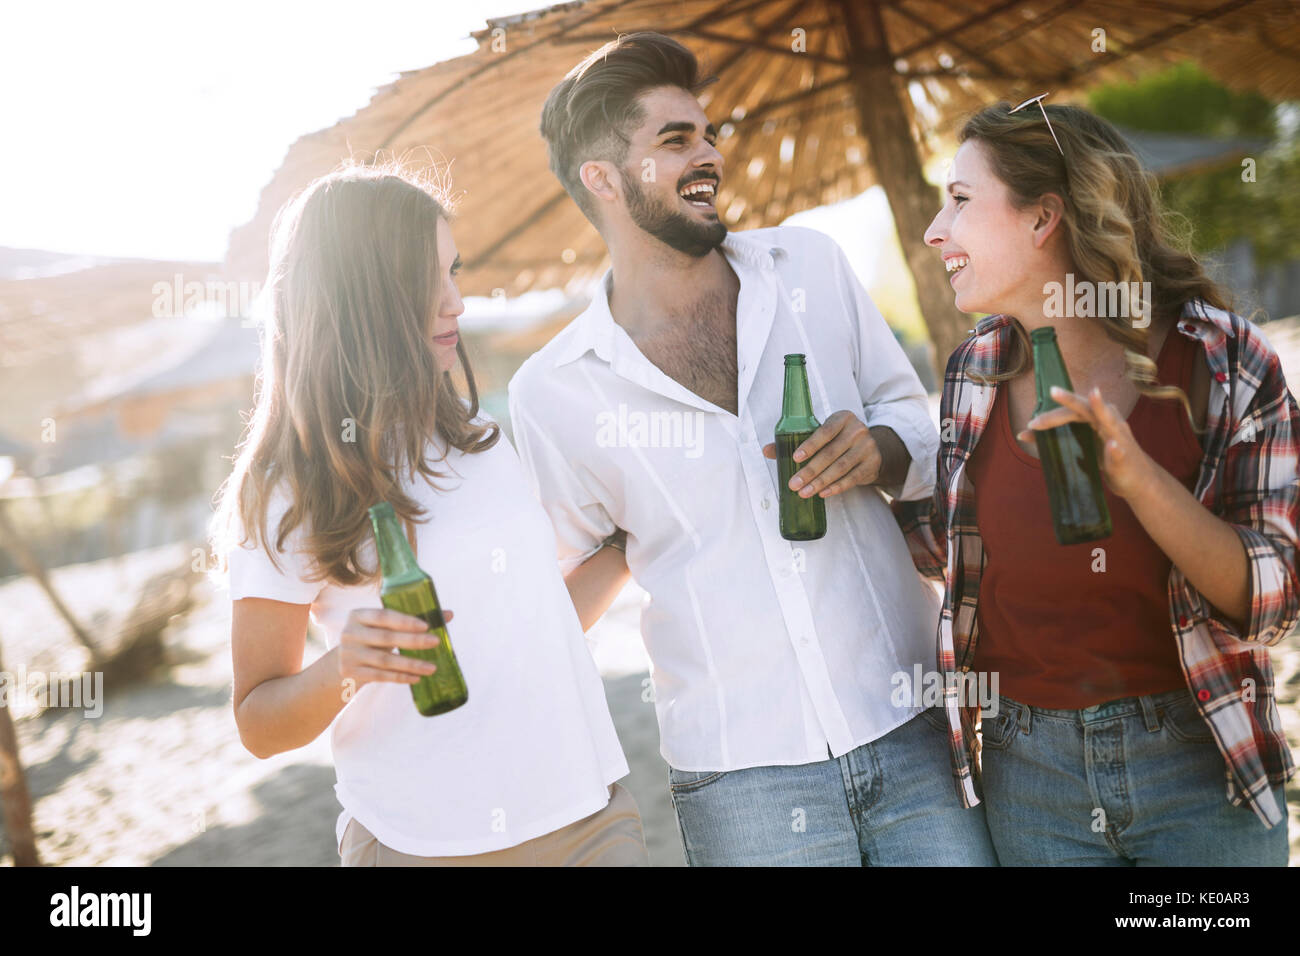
(1039, 100)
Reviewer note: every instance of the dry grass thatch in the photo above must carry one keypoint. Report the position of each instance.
(792, 129)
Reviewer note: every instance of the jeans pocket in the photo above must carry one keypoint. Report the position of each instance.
(688, 781)
(937, 718)
(1184, 722)
(996, 731)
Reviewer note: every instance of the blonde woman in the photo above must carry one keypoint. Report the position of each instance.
(356, 404)
(1137, 722)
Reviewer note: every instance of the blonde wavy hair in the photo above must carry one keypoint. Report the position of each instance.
(1115, 226)
(348, 393)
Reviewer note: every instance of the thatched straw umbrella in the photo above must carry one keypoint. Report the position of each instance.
(817, 101)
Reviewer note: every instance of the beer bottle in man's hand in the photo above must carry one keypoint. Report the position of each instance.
(802, 519)
(1068, 454)
(407, 589)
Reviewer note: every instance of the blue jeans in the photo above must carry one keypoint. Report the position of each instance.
(890, 802)
(1132, 782)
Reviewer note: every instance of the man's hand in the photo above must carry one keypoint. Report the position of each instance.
(843, 453)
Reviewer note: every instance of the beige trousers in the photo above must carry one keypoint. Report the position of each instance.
(609, 837)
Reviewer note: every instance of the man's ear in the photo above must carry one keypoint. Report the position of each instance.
(599, 178)
(1048, 216)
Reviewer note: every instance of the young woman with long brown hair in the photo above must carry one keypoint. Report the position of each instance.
(1136, 722)
(356, 404)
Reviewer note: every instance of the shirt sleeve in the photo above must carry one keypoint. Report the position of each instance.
(1261, 500)
(892, 394)
(580, 521)
(251, 573)
(924, 521)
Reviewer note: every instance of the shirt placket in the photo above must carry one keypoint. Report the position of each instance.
(823, 718)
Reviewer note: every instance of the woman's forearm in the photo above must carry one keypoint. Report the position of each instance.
(285, 713)
(594, 584)
(1200, 544)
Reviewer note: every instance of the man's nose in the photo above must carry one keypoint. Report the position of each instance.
(711, 157)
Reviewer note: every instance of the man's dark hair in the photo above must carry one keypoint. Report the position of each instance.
(589, 113)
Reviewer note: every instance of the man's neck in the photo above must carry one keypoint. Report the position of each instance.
(652, 282)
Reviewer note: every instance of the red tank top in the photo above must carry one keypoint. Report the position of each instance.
(1060, 631)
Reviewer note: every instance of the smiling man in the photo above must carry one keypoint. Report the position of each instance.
(774, 661)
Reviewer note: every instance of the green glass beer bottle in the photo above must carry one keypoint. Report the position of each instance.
(1068, 454)
(407, 589)
(802, 519)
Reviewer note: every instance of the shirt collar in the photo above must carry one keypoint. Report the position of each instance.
(594, 328)
(1199, 314)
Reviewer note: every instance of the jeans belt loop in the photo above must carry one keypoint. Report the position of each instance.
(1149, 713)
(1024, 718)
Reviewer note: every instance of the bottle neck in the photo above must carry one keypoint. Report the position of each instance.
(396, 562)
(796, 401)
(1049, 368)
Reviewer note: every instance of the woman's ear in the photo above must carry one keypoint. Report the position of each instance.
(1047, 218)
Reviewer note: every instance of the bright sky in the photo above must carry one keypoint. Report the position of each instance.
(148, 128)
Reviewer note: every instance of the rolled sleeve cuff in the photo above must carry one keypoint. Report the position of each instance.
(1272, 596)
(569, 562)
(914, 428)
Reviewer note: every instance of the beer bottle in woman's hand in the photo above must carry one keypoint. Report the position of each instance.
(407, 589)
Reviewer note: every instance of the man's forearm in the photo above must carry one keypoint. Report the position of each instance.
(894, 458)
(594, 584)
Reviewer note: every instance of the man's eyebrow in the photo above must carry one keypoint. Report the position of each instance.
(682, 126)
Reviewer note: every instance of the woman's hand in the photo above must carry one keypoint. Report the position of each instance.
(1126, 467)
(367, 642)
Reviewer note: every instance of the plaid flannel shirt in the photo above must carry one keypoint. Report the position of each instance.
(1248, 477)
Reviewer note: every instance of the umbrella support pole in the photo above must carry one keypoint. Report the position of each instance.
(15, 799)
(897, 164)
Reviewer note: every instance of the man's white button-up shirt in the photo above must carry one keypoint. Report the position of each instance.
(765, 651)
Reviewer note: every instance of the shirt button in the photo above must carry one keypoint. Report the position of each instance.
(766, 504)
(1202, 695)
(803, 641)
(1220, 376)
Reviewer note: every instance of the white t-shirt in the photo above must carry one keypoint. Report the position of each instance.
(534, 748)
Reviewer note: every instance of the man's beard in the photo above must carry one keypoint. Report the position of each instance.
(669, 226)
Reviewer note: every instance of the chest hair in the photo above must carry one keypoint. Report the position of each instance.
(697, 349)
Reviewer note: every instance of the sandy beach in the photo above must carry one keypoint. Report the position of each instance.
(162, 779)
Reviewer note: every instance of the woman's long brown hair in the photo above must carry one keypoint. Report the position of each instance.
(348, 394)
(1114, 224)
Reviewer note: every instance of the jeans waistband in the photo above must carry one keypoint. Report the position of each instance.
(1120, 707)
